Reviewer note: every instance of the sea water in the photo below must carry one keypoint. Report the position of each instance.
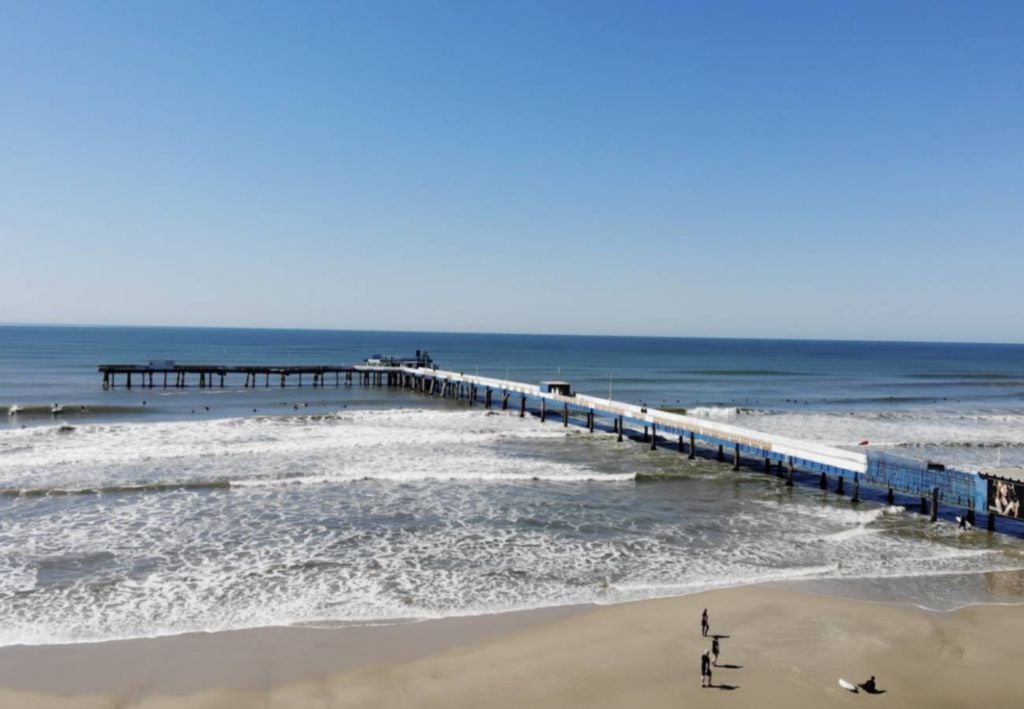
(156, 511)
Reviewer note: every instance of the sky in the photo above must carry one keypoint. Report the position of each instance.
(820, 169)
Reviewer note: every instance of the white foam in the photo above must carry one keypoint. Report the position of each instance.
(717, 413)
(370, 516)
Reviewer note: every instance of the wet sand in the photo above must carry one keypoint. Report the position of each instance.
(780, 648)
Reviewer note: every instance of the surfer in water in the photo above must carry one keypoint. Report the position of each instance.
(704, 623)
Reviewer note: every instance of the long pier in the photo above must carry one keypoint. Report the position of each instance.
(845, 471)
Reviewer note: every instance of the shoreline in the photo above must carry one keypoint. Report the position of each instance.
(792, 645)
(818, 587)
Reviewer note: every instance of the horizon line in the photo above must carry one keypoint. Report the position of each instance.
(509, 334)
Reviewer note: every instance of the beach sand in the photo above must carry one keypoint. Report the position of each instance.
(781, 648)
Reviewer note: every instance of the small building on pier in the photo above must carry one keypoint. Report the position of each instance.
(556, 387)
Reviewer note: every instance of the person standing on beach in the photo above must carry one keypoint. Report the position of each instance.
(705, 670)
(714, 650)
(704, 623)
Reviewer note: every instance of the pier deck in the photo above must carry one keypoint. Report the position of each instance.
(840, 469)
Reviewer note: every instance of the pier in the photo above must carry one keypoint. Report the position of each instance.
(378, 371)
(927, 484)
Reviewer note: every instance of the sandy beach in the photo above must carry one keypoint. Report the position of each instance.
(779, 648)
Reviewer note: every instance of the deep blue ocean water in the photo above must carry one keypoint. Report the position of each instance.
(166, 511)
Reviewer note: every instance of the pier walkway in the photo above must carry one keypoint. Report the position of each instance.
(843, 470)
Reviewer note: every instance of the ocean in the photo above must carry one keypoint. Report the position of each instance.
(162, 511)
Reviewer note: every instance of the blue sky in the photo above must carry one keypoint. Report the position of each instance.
(811, 169)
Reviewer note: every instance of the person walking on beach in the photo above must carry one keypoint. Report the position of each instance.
(714, 650)
(704, 623)
(705, 670)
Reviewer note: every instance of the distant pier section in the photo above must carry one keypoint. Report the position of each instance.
(377, 370)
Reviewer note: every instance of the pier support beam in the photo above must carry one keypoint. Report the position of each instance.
(504, 401)
(839, 486)
(823, 483)
(693, 447)
(620, 429)
(654, 436)
(682, 446)
(736, 457)
(890, 498)
(543, 410)
(721, 453)
(789, 478)
(856, 492)
(935, 504)
(991, 524)
(646, 434)
(565, 415)
(522, 405)
(590, 421)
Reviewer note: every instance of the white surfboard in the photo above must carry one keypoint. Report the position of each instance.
(850, 686)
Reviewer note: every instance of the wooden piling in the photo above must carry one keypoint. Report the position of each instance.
(693, 446)
(654, 435)
(736, 457)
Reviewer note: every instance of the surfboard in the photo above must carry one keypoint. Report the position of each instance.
(850, 686)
